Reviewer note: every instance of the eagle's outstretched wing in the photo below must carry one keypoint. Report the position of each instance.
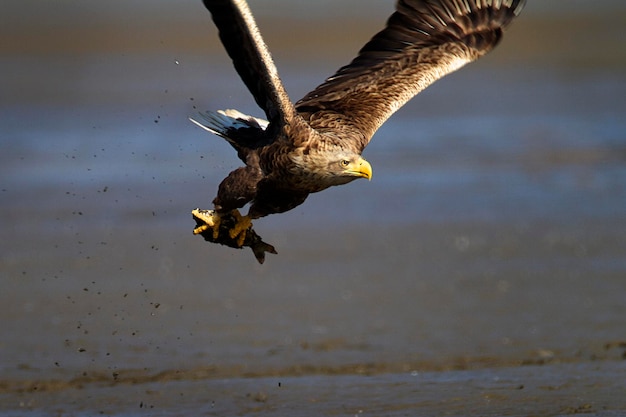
(245, 46)
(423, 41)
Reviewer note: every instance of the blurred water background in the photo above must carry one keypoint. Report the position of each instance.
(481, 272)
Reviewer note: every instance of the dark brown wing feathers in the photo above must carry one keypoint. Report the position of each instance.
(423, 41)
(245, 46)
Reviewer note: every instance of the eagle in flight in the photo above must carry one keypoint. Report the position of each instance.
(317, 142)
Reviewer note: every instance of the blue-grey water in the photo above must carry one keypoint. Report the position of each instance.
(481, 272)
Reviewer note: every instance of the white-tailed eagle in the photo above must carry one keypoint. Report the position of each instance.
(317, 142)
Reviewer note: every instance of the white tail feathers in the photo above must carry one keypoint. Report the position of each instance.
(224, 122)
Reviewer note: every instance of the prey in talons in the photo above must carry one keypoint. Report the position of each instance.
(230, 229)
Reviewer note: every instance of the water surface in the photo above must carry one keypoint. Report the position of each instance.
(481, 272)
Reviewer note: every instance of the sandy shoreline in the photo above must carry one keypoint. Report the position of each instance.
(592, 389)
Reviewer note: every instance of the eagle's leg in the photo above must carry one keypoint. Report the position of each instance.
(231, 222)
(240, 228)
(211, 219)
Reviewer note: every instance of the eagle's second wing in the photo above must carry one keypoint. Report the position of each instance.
(245, 46)
(423, 41)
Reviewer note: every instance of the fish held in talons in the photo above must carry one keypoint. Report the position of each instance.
(216, 228)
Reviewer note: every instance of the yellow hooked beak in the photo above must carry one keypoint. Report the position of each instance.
(360, 168)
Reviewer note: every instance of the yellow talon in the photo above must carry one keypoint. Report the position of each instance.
(211, 221)
(216, 220)
(242, 224)
(200, 229)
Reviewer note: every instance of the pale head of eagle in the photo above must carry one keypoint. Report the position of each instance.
(320, 168)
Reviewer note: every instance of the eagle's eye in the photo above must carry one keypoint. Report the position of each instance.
(344, 163)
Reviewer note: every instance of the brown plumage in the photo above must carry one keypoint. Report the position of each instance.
(317, 142)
